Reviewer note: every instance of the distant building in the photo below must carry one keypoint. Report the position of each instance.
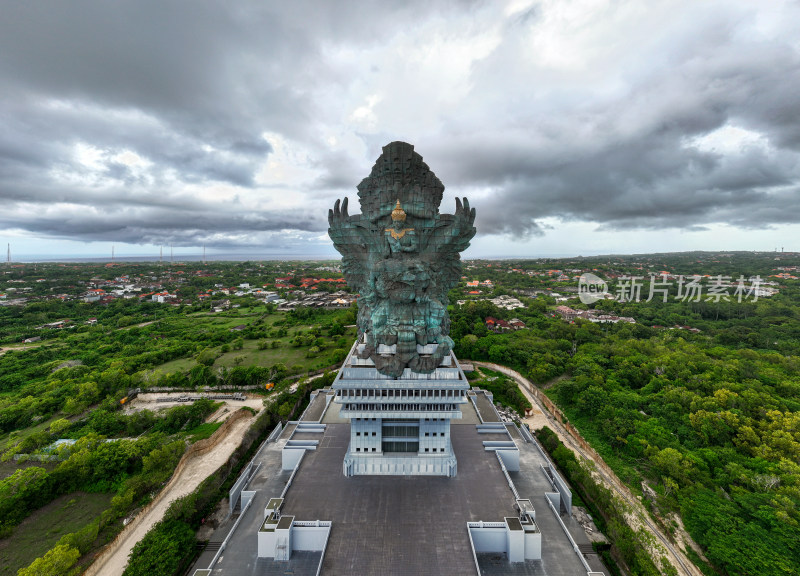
(595, 316)
(94, 294)
(162, 297)
(507, 302)
(566, 312)
(497, 325)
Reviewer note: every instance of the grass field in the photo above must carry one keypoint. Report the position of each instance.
(8, 468)
(41, 530)
(12, 438)
(203, 431)
(241, 316)
(252, 356)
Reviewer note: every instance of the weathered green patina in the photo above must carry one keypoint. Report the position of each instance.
(402, 256)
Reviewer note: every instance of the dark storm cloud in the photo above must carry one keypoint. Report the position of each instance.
(189, 87)
(120, 112)
(629, 161)
(201, 66)
(182, 226)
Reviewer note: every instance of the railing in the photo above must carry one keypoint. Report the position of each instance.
(313, 523)
(569, 536)
(324, 548)
(291, 478)
(508, 478)
(526, 434)
(472, 546)
(228, 537)
(273, 435)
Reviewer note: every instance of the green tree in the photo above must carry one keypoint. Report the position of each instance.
(163, 459)
(58, 426)
(285, 410)
(162, 550)
(57, 562)
(207, 357)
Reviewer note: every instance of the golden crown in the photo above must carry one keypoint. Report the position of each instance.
(398, 213)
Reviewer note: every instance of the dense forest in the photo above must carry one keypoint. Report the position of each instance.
(703, 423)
(694, 402)
(65, 434)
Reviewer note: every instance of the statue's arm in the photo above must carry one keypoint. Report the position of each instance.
(352, 240)
(462, 227)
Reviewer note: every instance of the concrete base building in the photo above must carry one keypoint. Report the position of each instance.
(399, 426)
(324, 495)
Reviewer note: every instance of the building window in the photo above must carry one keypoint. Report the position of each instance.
(373, 449)
(426, 449)
(373, 433)
(358, 449)
(358, 433)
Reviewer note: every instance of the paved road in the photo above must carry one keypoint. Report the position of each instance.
(639, 516)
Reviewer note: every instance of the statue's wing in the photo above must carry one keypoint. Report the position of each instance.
(456, 232)
(349, 238)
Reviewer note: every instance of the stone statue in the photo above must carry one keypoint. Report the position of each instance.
(402, 257)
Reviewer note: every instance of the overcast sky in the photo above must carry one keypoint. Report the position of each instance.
(574, 127)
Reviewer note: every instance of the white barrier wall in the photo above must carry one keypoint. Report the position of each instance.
(533, 545)
(280, 539)
(489, 538)
(307, 536)
(290, 457)
(510, 459)
(518, 541)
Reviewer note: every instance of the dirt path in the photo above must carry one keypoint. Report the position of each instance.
(140, 325)
(148, 401)
(113, 559)
(638, 517)
(14, 347)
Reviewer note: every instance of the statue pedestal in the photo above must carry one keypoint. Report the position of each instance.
(400, 426)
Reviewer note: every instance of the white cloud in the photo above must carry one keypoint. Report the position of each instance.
(729, 140)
